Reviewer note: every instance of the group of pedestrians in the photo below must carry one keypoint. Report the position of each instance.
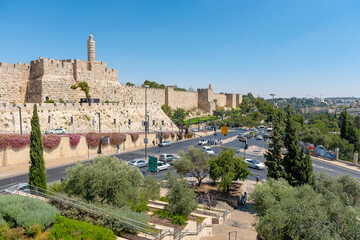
(214, 141)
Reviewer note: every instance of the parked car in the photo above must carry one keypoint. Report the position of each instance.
(168, 157)
(162, 166)
(203, 142)
(164, 143)
(208, 150)
(259, 137)
(57, 131)
(139, 163)
(20, 187)
(255, 164)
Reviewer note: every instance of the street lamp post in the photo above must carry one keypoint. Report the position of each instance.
(146, 121)
(20, 120)
(99, 150)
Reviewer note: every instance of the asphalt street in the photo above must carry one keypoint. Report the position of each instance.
(57, 173)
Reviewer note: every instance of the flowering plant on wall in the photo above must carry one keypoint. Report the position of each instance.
(74, 139)
(93, 139)
(117, 138)
(51, 141)
(14, 140)
(179, 135)
(189, 135)
(166, 135)
(172, 135)
(134, 136)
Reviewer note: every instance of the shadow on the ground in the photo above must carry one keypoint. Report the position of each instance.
(248, 207)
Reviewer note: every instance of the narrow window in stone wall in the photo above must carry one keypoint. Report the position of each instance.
(170, 123)
(46, 98)
(162, 122)
(153, 122)
(129, 122)
(142, 123)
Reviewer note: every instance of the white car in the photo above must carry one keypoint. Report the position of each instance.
(57, 131)
(208, 150)
(139, 163)
(255, 164)
(203, 142)
(259, 137)
(162, 166)
(20, 187)
(164, 143)
(168, 157)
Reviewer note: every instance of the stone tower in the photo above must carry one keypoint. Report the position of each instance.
(91, 48)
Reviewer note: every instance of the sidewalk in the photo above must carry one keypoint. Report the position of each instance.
(15, 170)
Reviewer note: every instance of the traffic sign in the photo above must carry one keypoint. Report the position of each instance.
(152, 164)
(224, 130)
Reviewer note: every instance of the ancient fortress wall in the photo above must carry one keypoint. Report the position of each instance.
(181, 99)
(13, 81)
(220, 100)
(85, 117)
(50, 79)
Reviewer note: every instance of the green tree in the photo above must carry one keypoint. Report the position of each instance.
(227, 168)
(167, 110)
(151, 188)
(344, 124)
(37, 172)
(129, 84)
(180, 196)
(178, 116)
(83, 87)
(273, 155)
(295, 164)
(195, 162)
(106, 181)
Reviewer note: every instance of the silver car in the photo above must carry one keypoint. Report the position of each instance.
(139, 163)
(56, 131)
(168, 157)
(165, 143)
(20, 187)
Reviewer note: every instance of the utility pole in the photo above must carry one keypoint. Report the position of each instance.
(20, 120)
(99, 150)
(146, 119)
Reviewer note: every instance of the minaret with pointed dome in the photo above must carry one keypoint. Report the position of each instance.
(91, 48)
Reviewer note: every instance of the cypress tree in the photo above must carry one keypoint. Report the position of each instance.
(344, 125)
(298, 167)
(273, 155)
(37, 173)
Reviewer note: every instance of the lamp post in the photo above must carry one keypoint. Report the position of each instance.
(99, 150)
(146, 121)
(20, 119)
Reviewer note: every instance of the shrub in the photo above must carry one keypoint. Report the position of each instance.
(14, 140)
(20, 211)
(51, 141)
(49, 101)
(189, 135)
(93, 139)
(117, 138)
(106, 180)
(179, 135)
(151, 188)
(164, 199)
(134, 136)
(172, 135)
(70, 229)
(74, 139)
(58, 187)
(175, 219)
(166, 135)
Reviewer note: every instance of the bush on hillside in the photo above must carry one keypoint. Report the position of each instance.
(106, 180)
(70, 229)
(20, 211)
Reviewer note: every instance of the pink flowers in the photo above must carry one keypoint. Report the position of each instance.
(134, 136)
(93, 139)
(13, 140)
(166, 135)
(74, 139)
(117, 138)
(51, 141)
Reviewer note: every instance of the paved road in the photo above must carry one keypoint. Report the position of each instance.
(57, 173)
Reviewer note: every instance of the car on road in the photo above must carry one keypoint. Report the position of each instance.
(164, 143)
(139, 163)
(166, 157)
(162, 166)
(255, 164)
(203, 142)
(259, 137)
(20, 187)
(208, 150)
(56, 131)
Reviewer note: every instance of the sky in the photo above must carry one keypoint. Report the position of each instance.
(301, 48)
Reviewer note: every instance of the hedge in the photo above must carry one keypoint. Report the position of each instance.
(70, 229)
(20, 211)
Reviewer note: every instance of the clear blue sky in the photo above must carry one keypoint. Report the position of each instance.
(288, 47)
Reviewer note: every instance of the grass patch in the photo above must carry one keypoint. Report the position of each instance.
(175, 219)
(199, 119)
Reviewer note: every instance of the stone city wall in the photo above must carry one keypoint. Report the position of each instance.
(13, 81)
(181, 99)
(220, 100)
(85, 117)
(231, 100)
